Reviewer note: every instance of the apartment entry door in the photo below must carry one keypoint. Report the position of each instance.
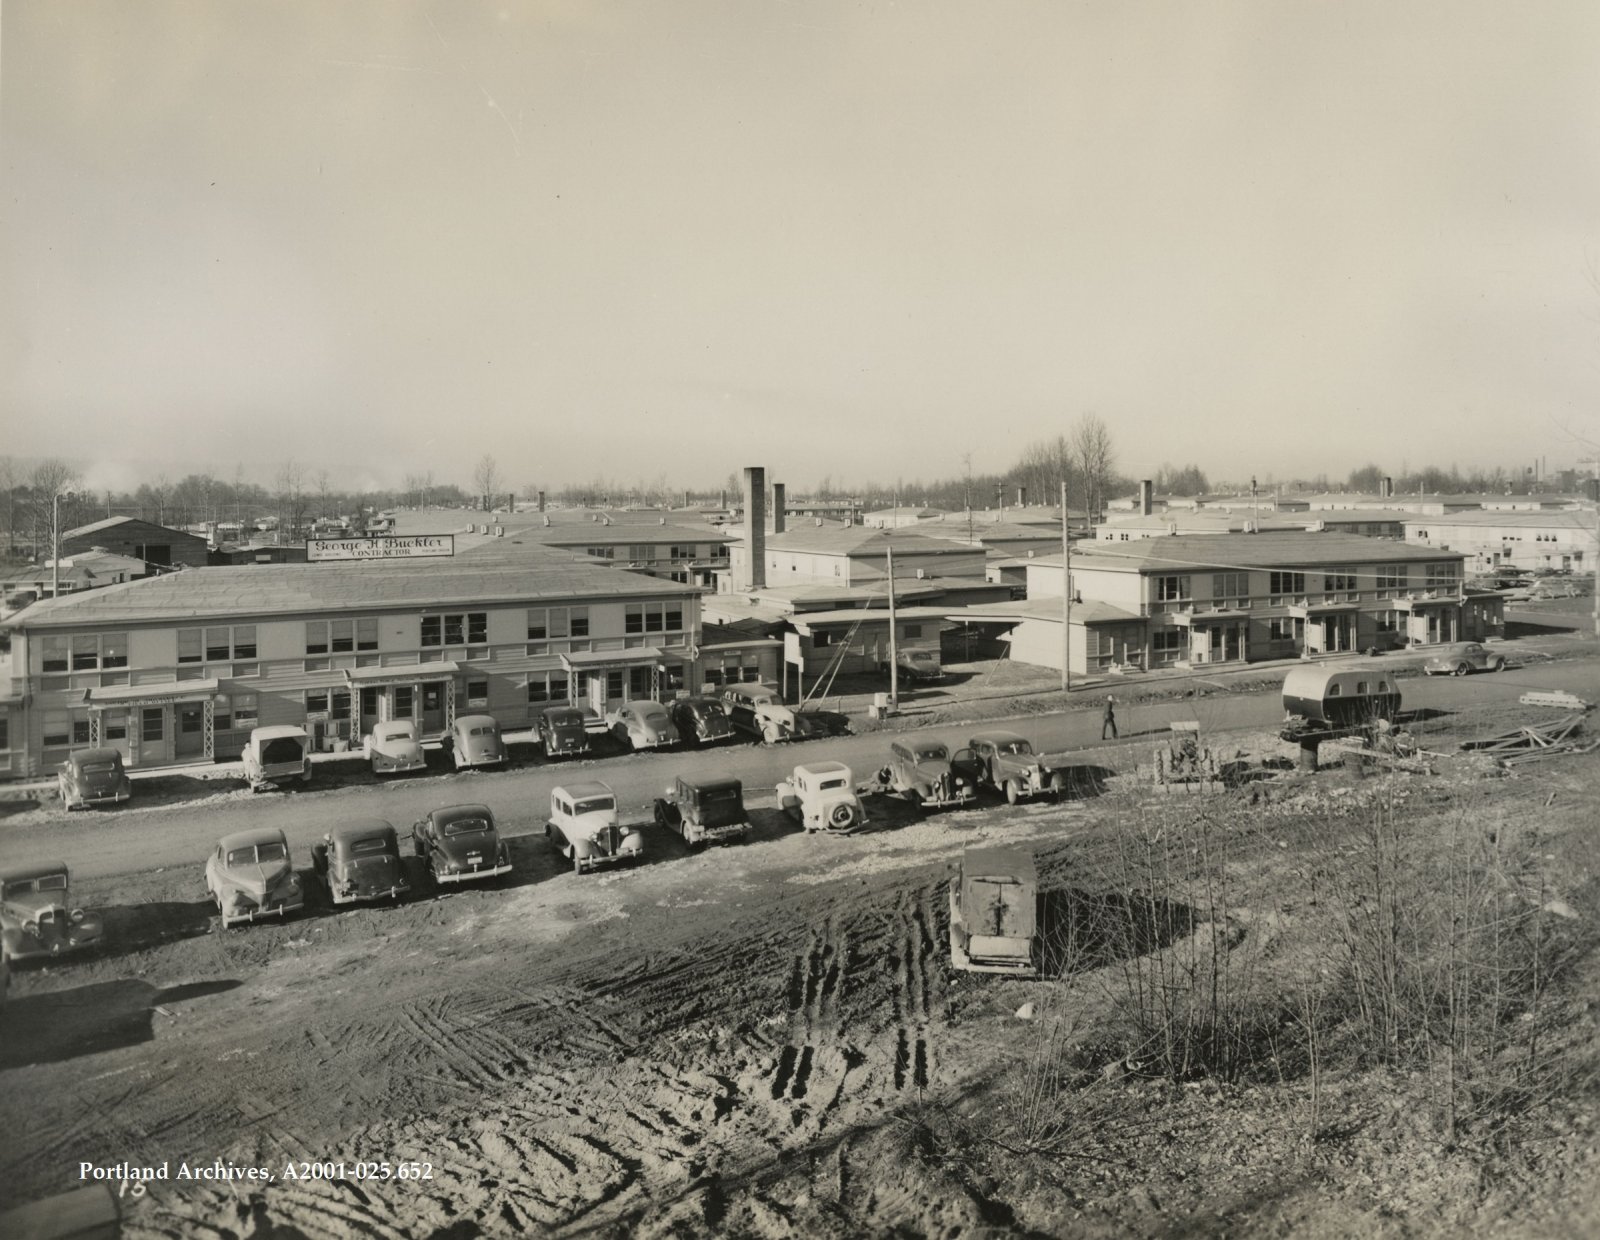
(191, 738)
(432, 709)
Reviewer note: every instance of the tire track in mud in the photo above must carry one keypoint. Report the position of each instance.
(813, 1007)
(917, 977)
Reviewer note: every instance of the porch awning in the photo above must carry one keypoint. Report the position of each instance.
(591, 660)
(405, 674)
(1422, 604)
(1199, 619)
(153, 695)
(1306, 610)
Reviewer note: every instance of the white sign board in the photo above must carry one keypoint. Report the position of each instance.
(386, 548)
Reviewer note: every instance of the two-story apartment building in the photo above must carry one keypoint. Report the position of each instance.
(1516, 539)
(1201, 599)
(688, 554)
(181, 667)
(851, 556)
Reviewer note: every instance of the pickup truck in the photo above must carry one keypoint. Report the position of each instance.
(821, 796)
(1006, 762)
(921, 771)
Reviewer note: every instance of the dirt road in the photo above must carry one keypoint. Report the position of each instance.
(101, 843)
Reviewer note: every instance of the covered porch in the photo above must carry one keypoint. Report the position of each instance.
(1330, 628)
(602, 680)
(1216, 636)
(155, 725)
(424, 693)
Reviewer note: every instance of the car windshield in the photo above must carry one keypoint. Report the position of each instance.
(594, 805)
(930, 753)
(395, 734)
(713, 796)
(27, 886)
(98, 768)
(563, 719)
(482, 731)
(258, 854)
(1014, 747)
(466, 826)
(831, 783)
(372, 844)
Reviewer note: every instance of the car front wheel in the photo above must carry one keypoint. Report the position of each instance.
(1013, 792)
(1462, 669)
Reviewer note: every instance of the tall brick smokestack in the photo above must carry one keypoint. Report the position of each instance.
(1386, 488)
(1147, 503)
(778, 495)
(1022, 497)
(755, 526)
(541, 501)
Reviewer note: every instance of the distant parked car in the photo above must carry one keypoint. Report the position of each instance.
(583, 827)
(821, 796)
(277, 753)
(393, 748)
(759, 710)
(93, 777)
(460, 843)
(1555, 587)
(1007, 763)
(994, 912)
(642, 725)
(250, 875)
(921, 771)
(700, 720)
(563, 733)
(474, 740)
(36, 915)
(361, 860)
(704, 810)
(919, 665)
(1461, 658)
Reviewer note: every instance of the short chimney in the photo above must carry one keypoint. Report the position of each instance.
(778, 496)
(755, 527)
(1386, 488)
(1022, 497)
(1146, 497)
(541, 501)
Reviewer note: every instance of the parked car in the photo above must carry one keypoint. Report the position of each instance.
(821, 796)
(460, 844)
(704, 811)
(562, 732)
(700, 720)
(1007, 763)
(1461, 658)
(759, 710)
(642, 725)
(474, 740)
(1554, 587)
(919, 665)
(93, 777)
(994, 912)
(360, 860)
(921, 771)
(36, 913)
(583, 827)
(249, 874)
(277, 753)
(393, 748)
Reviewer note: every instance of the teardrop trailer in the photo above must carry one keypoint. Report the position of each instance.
(1328, 703)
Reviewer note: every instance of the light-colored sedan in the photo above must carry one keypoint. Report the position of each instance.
(1461, 658)
(249, 875)
(393, 748)
(643, 725)
(474, 740)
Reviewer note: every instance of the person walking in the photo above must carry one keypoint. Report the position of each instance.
(1108, 721)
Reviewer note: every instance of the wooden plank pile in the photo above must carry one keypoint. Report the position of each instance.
(1536, 741)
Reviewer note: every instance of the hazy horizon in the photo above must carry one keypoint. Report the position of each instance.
(627, 240)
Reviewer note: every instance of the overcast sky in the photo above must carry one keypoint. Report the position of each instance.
(849, 239)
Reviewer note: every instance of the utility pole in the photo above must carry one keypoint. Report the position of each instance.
(1597, 564)
(894, 644)
(55, 542)
(1066, 596)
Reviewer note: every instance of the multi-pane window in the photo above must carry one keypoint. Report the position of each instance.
(653, 617)
(55, 653)
(1230, 585)
(544, 622)
(5, 733)
(1281, 629)
(405, 705)
(342, 636)
(189, 649)
(152, 724)
(367, 633)
(244, 710)
(1339, 580)
(477, 693)
(540, 689)
(614, 684)
(1286, 583)
(1391, 577)
(681, 553)
(601, 553)
(1441, 576)
(1170, 589)
(455, 629)
(638, 682)
(114, 726)
(316, 637)
(1166, 642)
(1387, 621)
(85, 651)
(335, 703)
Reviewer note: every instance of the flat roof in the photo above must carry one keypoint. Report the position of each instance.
(862, 540)
(238, 592)
(1557, 518)
(1232, 551)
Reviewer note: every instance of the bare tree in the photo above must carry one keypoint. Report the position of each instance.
(322, 492)
(291, 482)
(9, 481)
(50, 478)
(486, 478)
(1094, 456)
